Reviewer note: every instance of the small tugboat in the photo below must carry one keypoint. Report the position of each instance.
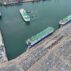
(25, 16)
(65, 20)
(38, 37)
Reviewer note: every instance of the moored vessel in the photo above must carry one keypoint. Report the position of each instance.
(38, 37)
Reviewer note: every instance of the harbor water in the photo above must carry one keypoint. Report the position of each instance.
(43, 14)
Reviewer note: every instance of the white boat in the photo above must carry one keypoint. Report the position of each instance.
(24, 14)
(0, 15)
(65, 20)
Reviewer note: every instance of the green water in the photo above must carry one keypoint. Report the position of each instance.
(43, 14)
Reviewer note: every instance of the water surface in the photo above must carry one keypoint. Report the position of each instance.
(43, 14)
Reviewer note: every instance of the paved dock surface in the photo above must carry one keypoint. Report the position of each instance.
(6, 2)
(3, 57)
(51, 54)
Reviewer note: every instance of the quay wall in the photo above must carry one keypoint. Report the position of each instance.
(12, 2)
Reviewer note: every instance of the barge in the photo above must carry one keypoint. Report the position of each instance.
(3, 56)
(65, 20)
(0, 15)
(38, 37)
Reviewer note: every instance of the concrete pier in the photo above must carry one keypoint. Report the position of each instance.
(51, 54)
(3, 57)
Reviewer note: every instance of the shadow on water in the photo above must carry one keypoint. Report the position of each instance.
(0, 15)
(27, 23)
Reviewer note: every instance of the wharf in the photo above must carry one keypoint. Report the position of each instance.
(3, 57)
(12, 2)
(51, 54)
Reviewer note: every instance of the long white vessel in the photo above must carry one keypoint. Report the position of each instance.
(24, 14)
(38, 37)
(65, 20)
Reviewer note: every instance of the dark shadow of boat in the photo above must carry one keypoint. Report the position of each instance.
(0, 17)
(27, 23)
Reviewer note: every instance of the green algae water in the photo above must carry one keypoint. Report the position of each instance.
(43, 14)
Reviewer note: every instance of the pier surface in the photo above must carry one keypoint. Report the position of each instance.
(3, 57)
(51, 54)
(10, 2)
